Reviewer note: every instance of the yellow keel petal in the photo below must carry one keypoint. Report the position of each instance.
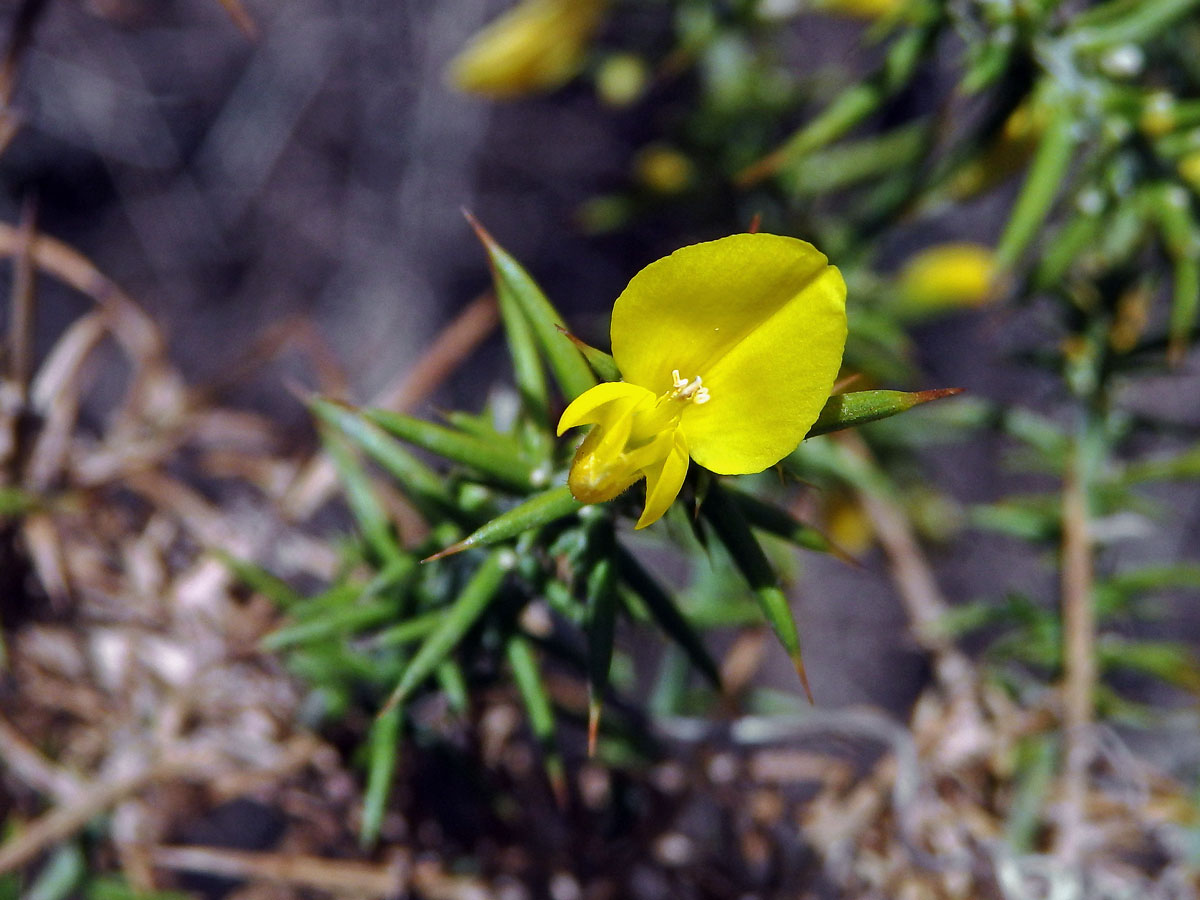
(664, 481)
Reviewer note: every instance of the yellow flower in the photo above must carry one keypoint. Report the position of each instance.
(536, 46)
(728, 351)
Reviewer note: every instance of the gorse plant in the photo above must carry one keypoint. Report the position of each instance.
(507, 540)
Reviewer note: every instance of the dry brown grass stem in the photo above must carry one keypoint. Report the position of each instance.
(69, 817)
(340, 877)
(34, 769)
(20, 333)
(46, 553)
(20, 36)
(133, 329)
(241, 18)
(393, 877)
(318, 480)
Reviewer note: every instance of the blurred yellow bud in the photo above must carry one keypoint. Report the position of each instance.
(847, 524)
(536, 46)
(1024, 123)
(663, 169)
(1158, 114)
(860, 9)
(1189, 170)
(1132, 315)
(947, 276)
(1011, 149)
(621, 79)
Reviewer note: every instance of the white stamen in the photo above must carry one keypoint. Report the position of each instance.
(689, 390)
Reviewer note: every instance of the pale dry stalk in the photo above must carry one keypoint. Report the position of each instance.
(1079, 662)
(64, 820)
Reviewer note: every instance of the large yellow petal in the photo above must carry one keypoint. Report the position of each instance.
(761, 318)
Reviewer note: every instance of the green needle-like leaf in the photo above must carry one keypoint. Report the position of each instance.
(528, 676)
(850, 107)
(59, 878)
(368, 512)
(1036, 758)
(347, 620)
(456, 622)
(541, 509)
(382, 745)
(426, 489)
(1119, 22)
(670, 684)
(734, 531)
(260, 580)
(858, 408)
(1063, 248)
(603, 365)
(496, 462)
(667, 615)
(1182, 238)
(522, 344)
(406, 632)
(514, 284)
(770, 518)
(602, 602)
(453, 683)
(1042, 185)
(1177, 467)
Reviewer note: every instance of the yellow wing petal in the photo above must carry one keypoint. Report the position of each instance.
(761, 318)
(590, 407)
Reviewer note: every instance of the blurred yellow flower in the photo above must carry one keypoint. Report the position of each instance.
(860, 9)
(947, 276)
(621, 79)
(536, 46)
(847, 524)
(663, 169)
(728, 351)
(1189, 170)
